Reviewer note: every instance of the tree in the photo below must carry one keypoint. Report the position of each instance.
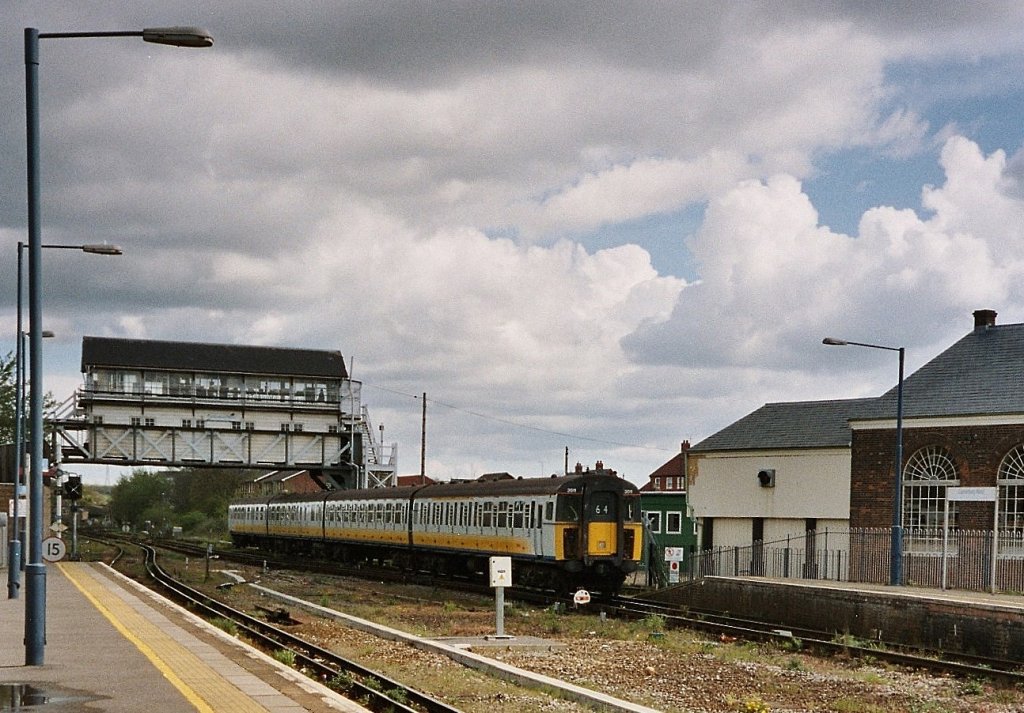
(193, 498)
(8, 400)
(8, 391)
(142, 496)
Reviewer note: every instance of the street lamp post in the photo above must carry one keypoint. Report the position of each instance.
(896, 543)
(14, 546)
(35, 571)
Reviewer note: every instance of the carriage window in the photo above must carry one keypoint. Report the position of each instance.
(549, 511)
(488, 517)
(517, 515)
(502, 515)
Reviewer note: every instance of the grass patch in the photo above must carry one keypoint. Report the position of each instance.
(285, 656)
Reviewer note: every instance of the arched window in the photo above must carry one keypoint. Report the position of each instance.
(1011, 493)
(926, 476)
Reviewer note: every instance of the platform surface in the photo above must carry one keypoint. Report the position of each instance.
(113, 646)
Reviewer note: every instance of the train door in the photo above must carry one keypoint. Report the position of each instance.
(535, 521)
(602, 516)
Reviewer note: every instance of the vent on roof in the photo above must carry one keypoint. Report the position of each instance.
(984, 318)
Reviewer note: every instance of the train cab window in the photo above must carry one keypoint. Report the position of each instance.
(569, 508)
(632, 505)
(602, 507)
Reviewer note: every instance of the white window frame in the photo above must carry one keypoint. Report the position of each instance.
(655, 526)
(669, 530)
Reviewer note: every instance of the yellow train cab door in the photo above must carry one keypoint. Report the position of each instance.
(602, 536)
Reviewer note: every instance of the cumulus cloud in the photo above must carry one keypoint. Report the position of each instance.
(441, 192)
(773, 280)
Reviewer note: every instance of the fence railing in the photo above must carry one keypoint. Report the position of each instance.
(863, 555)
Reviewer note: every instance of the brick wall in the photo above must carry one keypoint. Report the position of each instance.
(976, 450)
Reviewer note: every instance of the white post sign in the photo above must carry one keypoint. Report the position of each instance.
(501, 577)
(674, 555)
(972, 495)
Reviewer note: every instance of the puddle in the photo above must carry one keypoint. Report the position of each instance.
(33, 696)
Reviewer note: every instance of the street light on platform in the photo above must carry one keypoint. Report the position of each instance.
(14, 547)
(35, 571)
(896, 543)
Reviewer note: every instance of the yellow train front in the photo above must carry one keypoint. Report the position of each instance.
(579, 530)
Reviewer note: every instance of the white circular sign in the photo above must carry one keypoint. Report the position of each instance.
(582, 597)
(54, 549)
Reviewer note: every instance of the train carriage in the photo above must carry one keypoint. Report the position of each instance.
(581, 529)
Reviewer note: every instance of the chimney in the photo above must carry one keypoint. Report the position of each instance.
(984, 318)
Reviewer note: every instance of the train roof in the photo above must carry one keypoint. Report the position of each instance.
(506, 486)
(527, 486)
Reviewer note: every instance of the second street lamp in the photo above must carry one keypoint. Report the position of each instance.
(15, 553)
(896, 543)
(35, 572)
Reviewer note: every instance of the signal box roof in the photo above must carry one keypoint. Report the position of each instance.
(217, 358)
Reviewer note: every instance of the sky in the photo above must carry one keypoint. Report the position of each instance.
(609, 228)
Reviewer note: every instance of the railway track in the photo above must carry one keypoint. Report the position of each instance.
(730, 628)
(727, 627)
(372, 689)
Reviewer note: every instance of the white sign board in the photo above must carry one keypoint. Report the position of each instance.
(673, 572)
(501, 571)
(22, 507)
(675, 554)
(985, 495)
(54, 549)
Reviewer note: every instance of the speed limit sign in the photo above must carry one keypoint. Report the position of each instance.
(54, 549)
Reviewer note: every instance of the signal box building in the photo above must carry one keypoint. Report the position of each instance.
(208, 405)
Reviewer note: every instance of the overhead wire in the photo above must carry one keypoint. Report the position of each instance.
(508, 422)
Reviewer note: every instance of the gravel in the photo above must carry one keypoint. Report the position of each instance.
(669, 671)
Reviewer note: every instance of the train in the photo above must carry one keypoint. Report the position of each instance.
(582, 530)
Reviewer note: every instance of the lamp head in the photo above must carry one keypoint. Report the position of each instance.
(102, 249)
(833, 342)
(178, 36)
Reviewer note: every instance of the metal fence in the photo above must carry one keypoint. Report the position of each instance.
(959, 559)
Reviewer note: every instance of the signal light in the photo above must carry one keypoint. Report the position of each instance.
(73, 487)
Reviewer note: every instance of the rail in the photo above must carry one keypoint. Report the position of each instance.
(375, 690)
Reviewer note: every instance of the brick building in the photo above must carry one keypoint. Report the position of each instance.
(963, 426)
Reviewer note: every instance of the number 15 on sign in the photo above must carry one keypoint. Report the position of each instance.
(54, 549)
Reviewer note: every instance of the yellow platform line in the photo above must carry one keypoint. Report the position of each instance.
(197, 682)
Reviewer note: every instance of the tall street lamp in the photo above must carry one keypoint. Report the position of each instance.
(35, 571)
(896, 553)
